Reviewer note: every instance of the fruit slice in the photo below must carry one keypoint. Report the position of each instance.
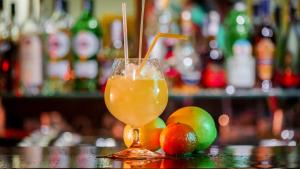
(200, 120)
(149, 134)
(178, 139)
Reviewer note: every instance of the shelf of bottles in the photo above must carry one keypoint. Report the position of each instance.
(251, 51)
(228, 93)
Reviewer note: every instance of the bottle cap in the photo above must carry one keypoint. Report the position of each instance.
(213, 23)
(242, 48)
(240, 6)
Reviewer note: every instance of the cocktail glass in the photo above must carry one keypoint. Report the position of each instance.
(136, 97)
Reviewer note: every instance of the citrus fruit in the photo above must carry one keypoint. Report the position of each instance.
(178, 139)
(200, 120)
(149, 134)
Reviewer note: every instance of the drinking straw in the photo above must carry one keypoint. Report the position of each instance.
(156, 38)
(141, 31)
(125, 34)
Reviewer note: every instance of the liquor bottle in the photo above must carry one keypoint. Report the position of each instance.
(265, 47)
(214, 75)
(282, 26)
(171, 72)
(7, 53)
(241, 66)
(31, 73)
(114, 50)
(86, 43)
(188, 62)
(58, 50)
(289, 61)
(14, 25)
(162, 17)
(15, 40)
(237, 26)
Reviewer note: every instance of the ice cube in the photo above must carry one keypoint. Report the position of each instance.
(151, 72)
(131, 70)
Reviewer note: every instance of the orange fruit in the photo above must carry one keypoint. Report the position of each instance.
(200, 120)
(149, 134)
(178, 139)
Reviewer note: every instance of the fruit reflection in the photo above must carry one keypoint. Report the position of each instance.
(154, 163)
(200, 161)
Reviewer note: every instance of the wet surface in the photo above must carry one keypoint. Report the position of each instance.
(94, 157)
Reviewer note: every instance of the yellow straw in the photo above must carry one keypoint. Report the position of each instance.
(156, 38)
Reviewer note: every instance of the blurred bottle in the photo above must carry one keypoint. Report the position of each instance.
(214, 75)
(7, 52)
(265, 47)
(59, 157)
(86, 157)
(114, 50)
(14, 26)
(86, 43)
(282, 20)
(31, 70)
(255, 16)
(237, 26)
(58, 50)
(241, 67)
(162, 17)
(188, 62)
(289, 61)
(15, 31)
(172, 75)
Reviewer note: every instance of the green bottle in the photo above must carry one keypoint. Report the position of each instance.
(86, 43)
(237, 26)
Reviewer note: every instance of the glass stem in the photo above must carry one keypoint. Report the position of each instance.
(136, 139)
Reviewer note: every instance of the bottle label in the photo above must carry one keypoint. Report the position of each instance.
(87, 69)
(241, 71)
(58, 69)
(4, 46)
(31, 60)
(264, 51)
(58, 45)
(241, 67)
(86, 44)
(214, 76)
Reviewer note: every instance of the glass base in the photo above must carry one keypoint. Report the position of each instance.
(137, 154)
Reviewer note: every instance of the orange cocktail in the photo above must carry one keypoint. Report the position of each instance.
(136, 101)
(136, 93)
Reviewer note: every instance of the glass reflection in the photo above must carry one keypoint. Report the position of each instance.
(59, 157)
(86, 158)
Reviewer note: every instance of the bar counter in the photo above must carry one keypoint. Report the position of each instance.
(241, 156)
